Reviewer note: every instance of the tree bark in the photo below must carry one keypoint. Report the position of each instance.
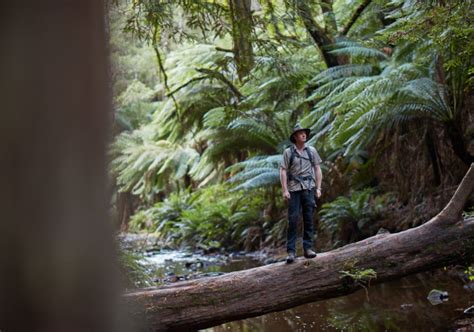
(124, 209)
(457, 142)
(242, 26)
(323, 38)
(443, 240)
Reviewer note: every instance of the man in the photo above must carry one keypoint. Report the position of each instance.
(300, 176)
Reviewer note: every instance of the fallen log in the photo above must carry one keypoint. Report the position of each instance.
(445, 239)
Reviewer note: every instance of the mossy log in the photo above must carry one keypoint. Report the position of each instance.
(443, 240)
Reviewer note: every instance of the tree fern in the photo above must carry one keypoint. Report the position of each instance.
(145, 166)
(364, 100)
(356, 211)
(256, 172)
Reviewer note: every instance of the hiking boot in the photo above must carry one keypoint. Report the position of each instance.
(308, 253)
(290, 258)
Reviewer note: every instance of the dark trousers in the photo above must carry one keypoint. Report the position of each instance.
(300, 200)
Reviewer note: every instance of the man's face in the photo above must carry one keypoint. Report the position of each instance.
(300, 136)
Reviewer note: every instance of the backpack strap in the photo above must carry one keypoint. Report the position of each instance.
(310, 156)
(292, 156)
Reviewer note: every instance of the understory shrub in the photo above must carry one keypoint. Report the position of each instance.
(213, 217)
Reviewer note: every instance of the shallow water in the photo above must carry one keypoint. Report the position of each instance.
(172, 266)
(399, 305)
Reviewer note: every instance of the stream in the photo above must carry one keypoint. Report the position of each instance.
(399, 305)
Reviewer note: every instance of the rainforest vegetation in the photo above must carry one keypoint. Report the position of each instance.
(206, 94)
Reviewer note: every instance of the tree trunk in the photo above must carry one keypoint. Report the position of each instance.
(56, 249)
(124, 209)
(319, 35)
(445, 239)
(242, 27)
(457, 142)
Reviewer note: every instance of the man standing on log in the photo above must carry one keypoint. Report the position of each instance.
(300, 176)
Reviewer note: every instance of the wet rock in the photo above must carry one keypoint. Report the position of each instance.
(382, 231)
(464, 325)
(195, 265)
(210, 274)
(151, 252)
(469, 286)
(172, 278)
(270, 260)
(406, 306)
(437, 296)
(172, 266)
(142, 242)
(237, 255)
(469, 311)
(212, 250)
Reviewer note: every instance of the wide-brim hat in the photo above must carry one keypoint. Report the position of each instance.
(297, 128)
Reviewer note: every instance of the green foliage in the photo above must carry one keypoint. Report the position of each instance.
(361, 276)
(358, 211)
(448, 26)
(135, 106)
(133, 271)
(356, 50)
(194, 89)
(145, 166)
(470, 273)
(355, 102)
(257, 172)
(134, 73)
(469, 213)
(152, 19)
(209, 217)
(162, 218)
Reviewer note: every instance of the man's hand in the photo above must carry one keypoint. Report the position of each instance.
(286, 195)
(318, 193)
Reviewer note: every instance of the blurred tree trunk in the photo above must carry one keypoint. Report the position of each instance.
(57, 268)
(124, 209)
(242, 27)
